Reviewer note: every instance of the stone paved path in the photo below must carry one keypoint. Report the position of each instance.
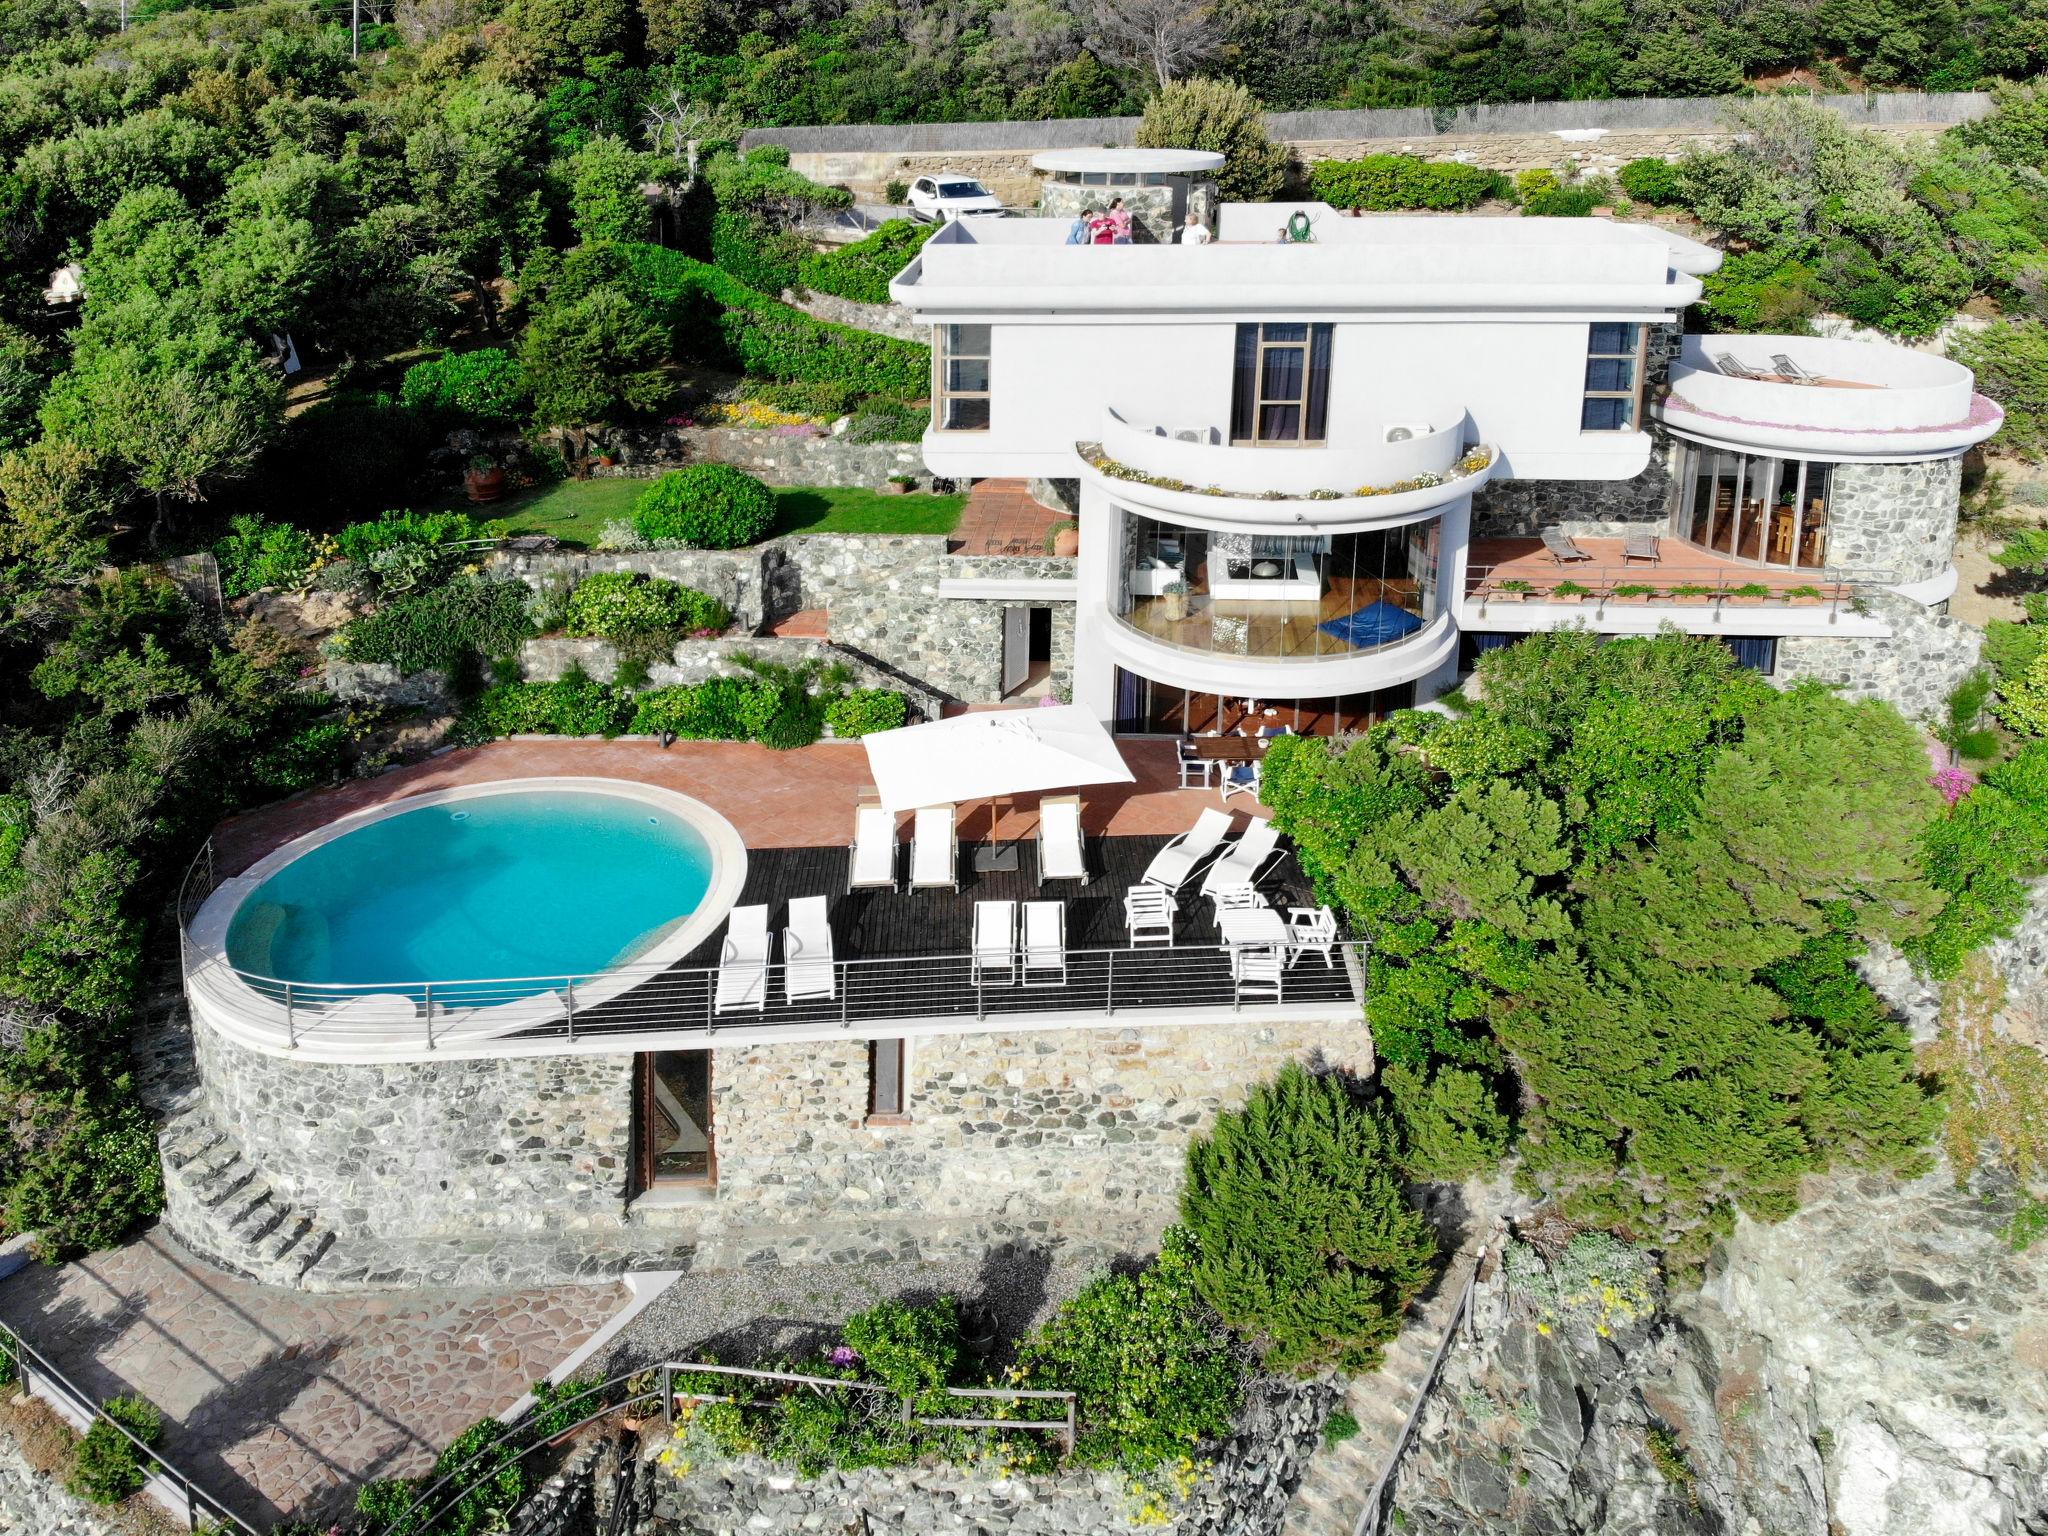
(275, 1400)
(1000, 518)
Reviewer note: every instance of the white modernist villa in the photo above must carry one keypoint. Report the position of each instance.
(1317, 475)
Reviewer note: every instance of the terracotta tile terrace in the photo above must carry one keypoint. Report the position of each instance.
(1496, 561)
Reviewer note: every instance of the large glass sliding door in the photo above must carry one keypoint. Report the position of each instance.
(1760, 511)
(1148, 708)
(676, 1136)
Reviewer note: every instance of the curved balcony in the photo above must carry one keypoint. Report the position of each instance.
(1283, 676)
(1815, 397)
(1194, 474)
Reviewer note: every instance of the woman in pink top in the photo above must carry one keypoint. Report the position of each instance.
(1119, 222)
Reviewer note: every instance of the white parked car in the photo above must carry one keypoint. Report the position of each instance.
(948, 195)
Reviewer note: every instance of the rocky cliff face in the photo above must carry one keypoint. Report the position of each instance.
(1875, 1366)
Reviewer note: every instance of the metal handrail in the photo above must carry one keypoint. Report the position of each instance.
(53, 1382)
(484, 1460)
(1483, 582)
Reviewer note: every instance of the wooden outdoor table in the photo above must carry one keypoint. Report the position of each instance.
(1229, 749)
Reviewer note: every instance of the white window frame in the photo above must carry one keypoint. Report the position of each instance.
(942, 354)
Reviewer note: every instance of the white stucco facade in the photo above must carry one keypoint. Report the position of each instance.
(1432, 359)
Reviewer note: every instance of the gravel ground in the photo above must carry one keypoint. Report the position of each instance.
(748, 1315)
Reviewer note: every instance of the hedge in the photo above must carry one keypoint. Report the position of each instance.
(717, 319)
(756, 253)
(1404, 181)
(861, 271)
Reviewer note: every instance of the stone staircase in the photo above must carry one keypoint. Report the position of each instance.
(223, 1208)
(1333, 1490)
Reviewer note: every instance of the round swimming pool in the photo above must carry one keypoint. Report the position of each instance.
(541, 882)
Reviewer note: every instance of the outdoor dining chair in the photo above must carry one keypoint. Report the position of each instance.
(1256, 970)
(994, 954)
(1148, 914)
(1045, 944)
(807, 965)
(743, 961)
(1312, 930)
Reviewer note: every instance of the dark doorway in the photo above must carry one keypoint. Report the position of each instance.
(676, 1145)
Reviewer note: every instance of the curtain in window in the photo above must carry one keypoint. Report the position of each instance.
(1757, 652)
(1244, 383)
(1314, 428)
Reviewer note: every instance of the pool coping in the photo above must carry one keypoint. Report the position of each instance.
(220, 996)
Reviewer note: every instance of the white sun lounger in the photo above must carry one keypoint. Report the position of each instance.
(995, 943)
(1174, 865)
(743, 961)
(934, 855)
(871, 862)
(807, 969)
(1246, 860)
(1059, 839)
(1045, 943)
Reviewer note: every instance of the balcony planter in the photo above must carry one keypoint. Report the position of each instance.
(1569, 592)
(1691, 595)
(1064, 539)
(1510, 591)
(1751, 594)
(1802, 594)
(1631, 592)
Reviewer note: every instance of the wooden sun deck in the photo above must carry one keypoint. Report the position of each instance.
(1495, 561)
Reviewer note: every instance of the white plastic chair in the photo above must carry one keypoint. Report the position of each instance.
(1234, 897)
(1240, 779)
(1256, 970)
(1060, 843)
(1175, 864)
(994, 953)
(743, 961)
(1247, 860)
(871, 861)
(934, 854)
(1045, 944)
(1148, 913)
(1194, 768)
(1312, 929)
(807, 968)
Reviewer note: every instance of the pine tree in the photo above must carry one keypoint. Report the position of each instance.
(1307, 1240)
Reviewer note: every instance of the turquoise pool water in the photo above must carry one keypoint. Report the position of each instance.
(526, 883)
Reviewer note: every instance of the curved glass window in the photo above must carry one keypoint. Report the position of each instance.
(1759, 510)
(1289, 596)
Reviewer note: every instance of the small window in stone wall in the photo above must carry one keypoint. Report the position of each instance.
(888, 1098)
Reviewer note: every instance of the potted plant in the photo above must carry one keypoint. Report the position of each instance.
(1749, 594)
(1569, 592)
(1691, 593)
(898, 485)
(643, 1393)
(1063, 539)
(1173, 601)
(978, 1330)
(484, 479)
(1632, 592)
(1803, 593)
(1513, 590)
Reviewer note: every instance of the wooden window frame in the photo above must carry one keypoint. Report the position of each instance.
(900, 1115)
(1634, 393)
(1306, 347)
(943, 354)
(643, 1120)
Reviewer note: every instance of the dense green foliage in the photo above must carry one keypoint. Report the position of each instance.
(864, 710)
(1307, 1240)
(1382, 182)
(705, 506)
(1632, 893)
(624, 605)
(1981, 852)
(107, 1468)
(256, 554)
(485, 387)
(1223, 117)
(861, 271)
(486, 1483)
(570, 706)
(451, 627)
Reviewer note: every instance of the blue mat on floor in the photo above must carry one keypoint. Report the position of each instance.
(1374, 625)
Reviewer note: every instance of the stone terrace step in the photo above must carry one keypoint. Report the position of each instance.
(225, 1209)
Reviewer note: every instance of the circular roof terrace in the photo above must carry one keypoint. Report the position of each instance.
(1157, 162)
(1826, 399)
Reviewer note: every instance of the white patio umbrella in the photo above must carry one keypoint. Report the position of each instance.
(981, 756)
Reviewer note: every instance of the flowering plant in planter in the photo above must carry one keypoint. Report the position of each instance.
(1514, 589)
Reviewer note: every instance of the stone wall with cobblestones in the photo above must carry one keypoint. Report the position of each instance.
(1894, 523)
(954, 644)
(882, 319)
(1916, 667)
(692, 661)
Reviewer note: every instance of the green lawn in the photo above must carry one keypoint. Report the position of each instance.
(574, 511)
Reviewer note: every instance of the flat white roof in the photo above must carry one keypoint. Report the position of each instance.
(1379, 263)
(1171, 162)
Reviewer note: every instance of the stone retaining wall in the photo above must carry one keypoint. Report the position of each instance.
(1894, 523)
(795, 461)
(883, 319)
(954, 644)
(1915, 668)
(551, 657)
(1582, 135)
(518, 1170)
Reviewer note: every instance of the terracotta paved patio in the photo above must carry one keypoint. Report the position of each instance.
(276, 1401)
(1000, 518)
(800, 799)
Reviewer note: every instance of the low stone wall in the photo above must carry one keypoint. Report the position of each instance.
(735, 577)
(1915, 668)
(551, 657)
(955, 644)
(796, 461)
(883, 319)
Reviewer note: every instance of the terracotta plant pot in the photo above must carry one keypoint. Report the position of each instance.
(483, 485)
(890, 488)
(1067, 542)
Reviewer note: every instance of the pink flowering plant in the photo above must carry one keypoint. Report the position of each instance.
(1954, 782)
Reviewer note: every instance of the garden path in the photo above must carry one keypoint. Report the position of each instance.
(277, 1401)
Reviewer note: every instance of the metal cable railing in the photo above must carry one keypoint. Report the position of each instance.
(1664, 583)
(174, 1489)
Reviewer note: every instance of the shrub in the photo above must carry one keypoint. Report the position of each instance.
(865, 710)
(445, 628)
(310, 755)
(1339, 1427)
(1983, 852)
(81, 1168)
(1224, 117)
(754, 252)
(558, 1408)
(816, 1432)
(1762, 291)
(1535, 181)
(896, 193)
(861, 271)
(806, 397)
(1451, 1124)
(1562, 203)
(909, 1350)
(622, 605)
(495, 1481)
(1404, 181)
(717, 709)
(1307, 1239)
(2010, 360)
(888, 421)
(1152, 1372)
(394, 530)
(350, 451)
(706, 506)
(383, 1500)
(486, 386)
(1598, 1282)
(257, 554)
(107, 1468)
(1653, 180)
(573, 705)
